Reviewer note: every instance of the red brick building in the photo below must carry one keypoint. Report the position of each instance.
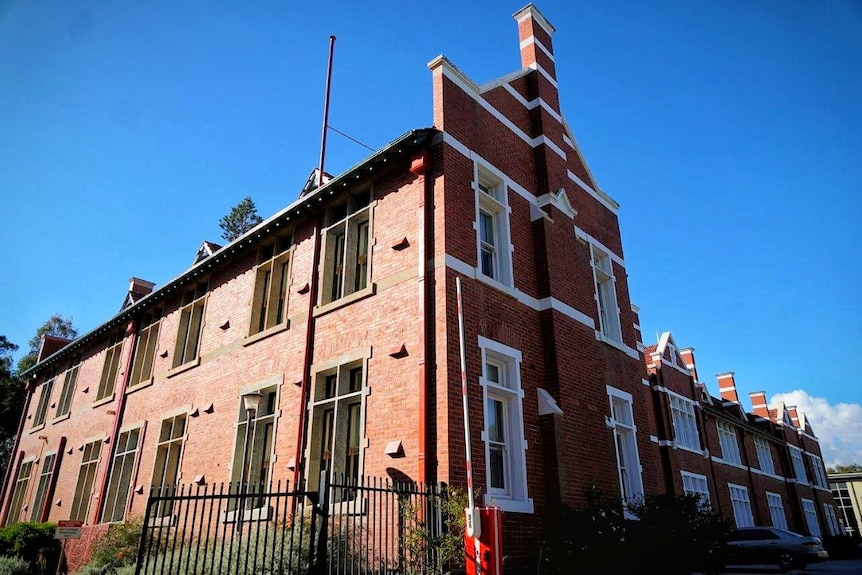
(339, 313)
(762, 467)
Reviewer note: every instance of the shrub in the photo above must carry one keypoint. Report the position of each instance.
(33, 543)
(673, 534)
(14, 566)
(680, 523)
(117, 549)
(441, 546)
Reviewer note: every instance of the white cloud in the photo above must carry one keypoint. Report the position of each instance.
(839, 427)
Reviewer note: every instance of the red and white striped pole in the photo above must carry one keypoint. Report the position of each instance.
(474, 527)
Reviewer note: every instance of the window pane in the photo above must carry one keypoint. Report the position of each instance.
(495, 466)
(492, 373)
(495, 420)
(361, 272)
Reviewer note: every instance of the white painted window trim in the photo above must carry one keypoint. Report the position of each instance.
(496, 204)
(776, 504)
(748, 519)
(697, 477)
(820, 479)
(831, 520)
(690, 418)
(518, 500)
(729, 441)
(605, 282)
(809, 512)
(798, 461)
(761, 446)
(635, 474)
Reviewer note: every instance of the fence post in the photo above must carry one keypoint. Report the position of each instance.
(321, 535)
(144, 530)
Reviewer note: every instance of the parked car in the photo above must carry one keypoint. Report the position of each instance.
(762, 546)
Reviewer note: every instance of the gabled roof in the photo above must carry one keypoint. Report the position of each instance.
(206, 250)
(311, 183)
(663, 341)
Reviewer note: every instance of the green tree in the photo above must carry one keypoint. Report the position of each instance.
(242, 217)
(11, 401)
(852, 468)
(57, 326)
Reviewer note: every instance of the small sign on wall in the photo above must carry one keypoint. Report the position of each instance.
(68, 530)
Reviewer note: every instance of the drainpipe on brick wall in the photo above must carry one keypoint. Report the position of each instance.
(420, 166)
(12, 465)
(119, 406)
(302, 422)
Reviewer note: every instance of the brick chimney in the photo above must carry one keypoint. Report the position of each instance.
(794, 415)
(687, 355)
(758, 404)
(727, 386)
(138, 288)
(534, 32)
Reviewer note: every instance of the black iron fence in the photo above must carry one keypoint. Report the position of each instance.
(370, 526)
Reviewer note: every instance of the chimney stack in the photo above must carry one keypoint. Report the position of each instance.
(794, 415)
(138, 288)
(758, 404)
(687, 355)
(534, 32)
(727, 387)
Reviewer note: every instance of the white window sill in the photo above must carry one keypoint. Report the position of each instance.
(510, 505)
(730, 463)
(767, 474)
(617, 345)
(689, 449)
(495, 283)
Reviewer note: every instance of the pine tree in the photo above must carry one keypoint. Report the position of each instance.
(242, 217)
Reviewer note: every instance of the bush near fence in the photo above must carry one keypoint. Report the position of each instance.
(32, 543)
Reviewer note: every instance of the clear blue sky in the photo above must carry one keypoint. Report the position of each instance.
(730, 132)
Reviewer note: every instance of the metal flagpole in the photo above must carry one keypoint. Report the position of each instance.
(474, 526)
(325, 112)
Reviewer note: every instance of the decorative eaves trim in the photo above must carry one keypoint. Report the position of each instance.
(559, 200)
(547, 404)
